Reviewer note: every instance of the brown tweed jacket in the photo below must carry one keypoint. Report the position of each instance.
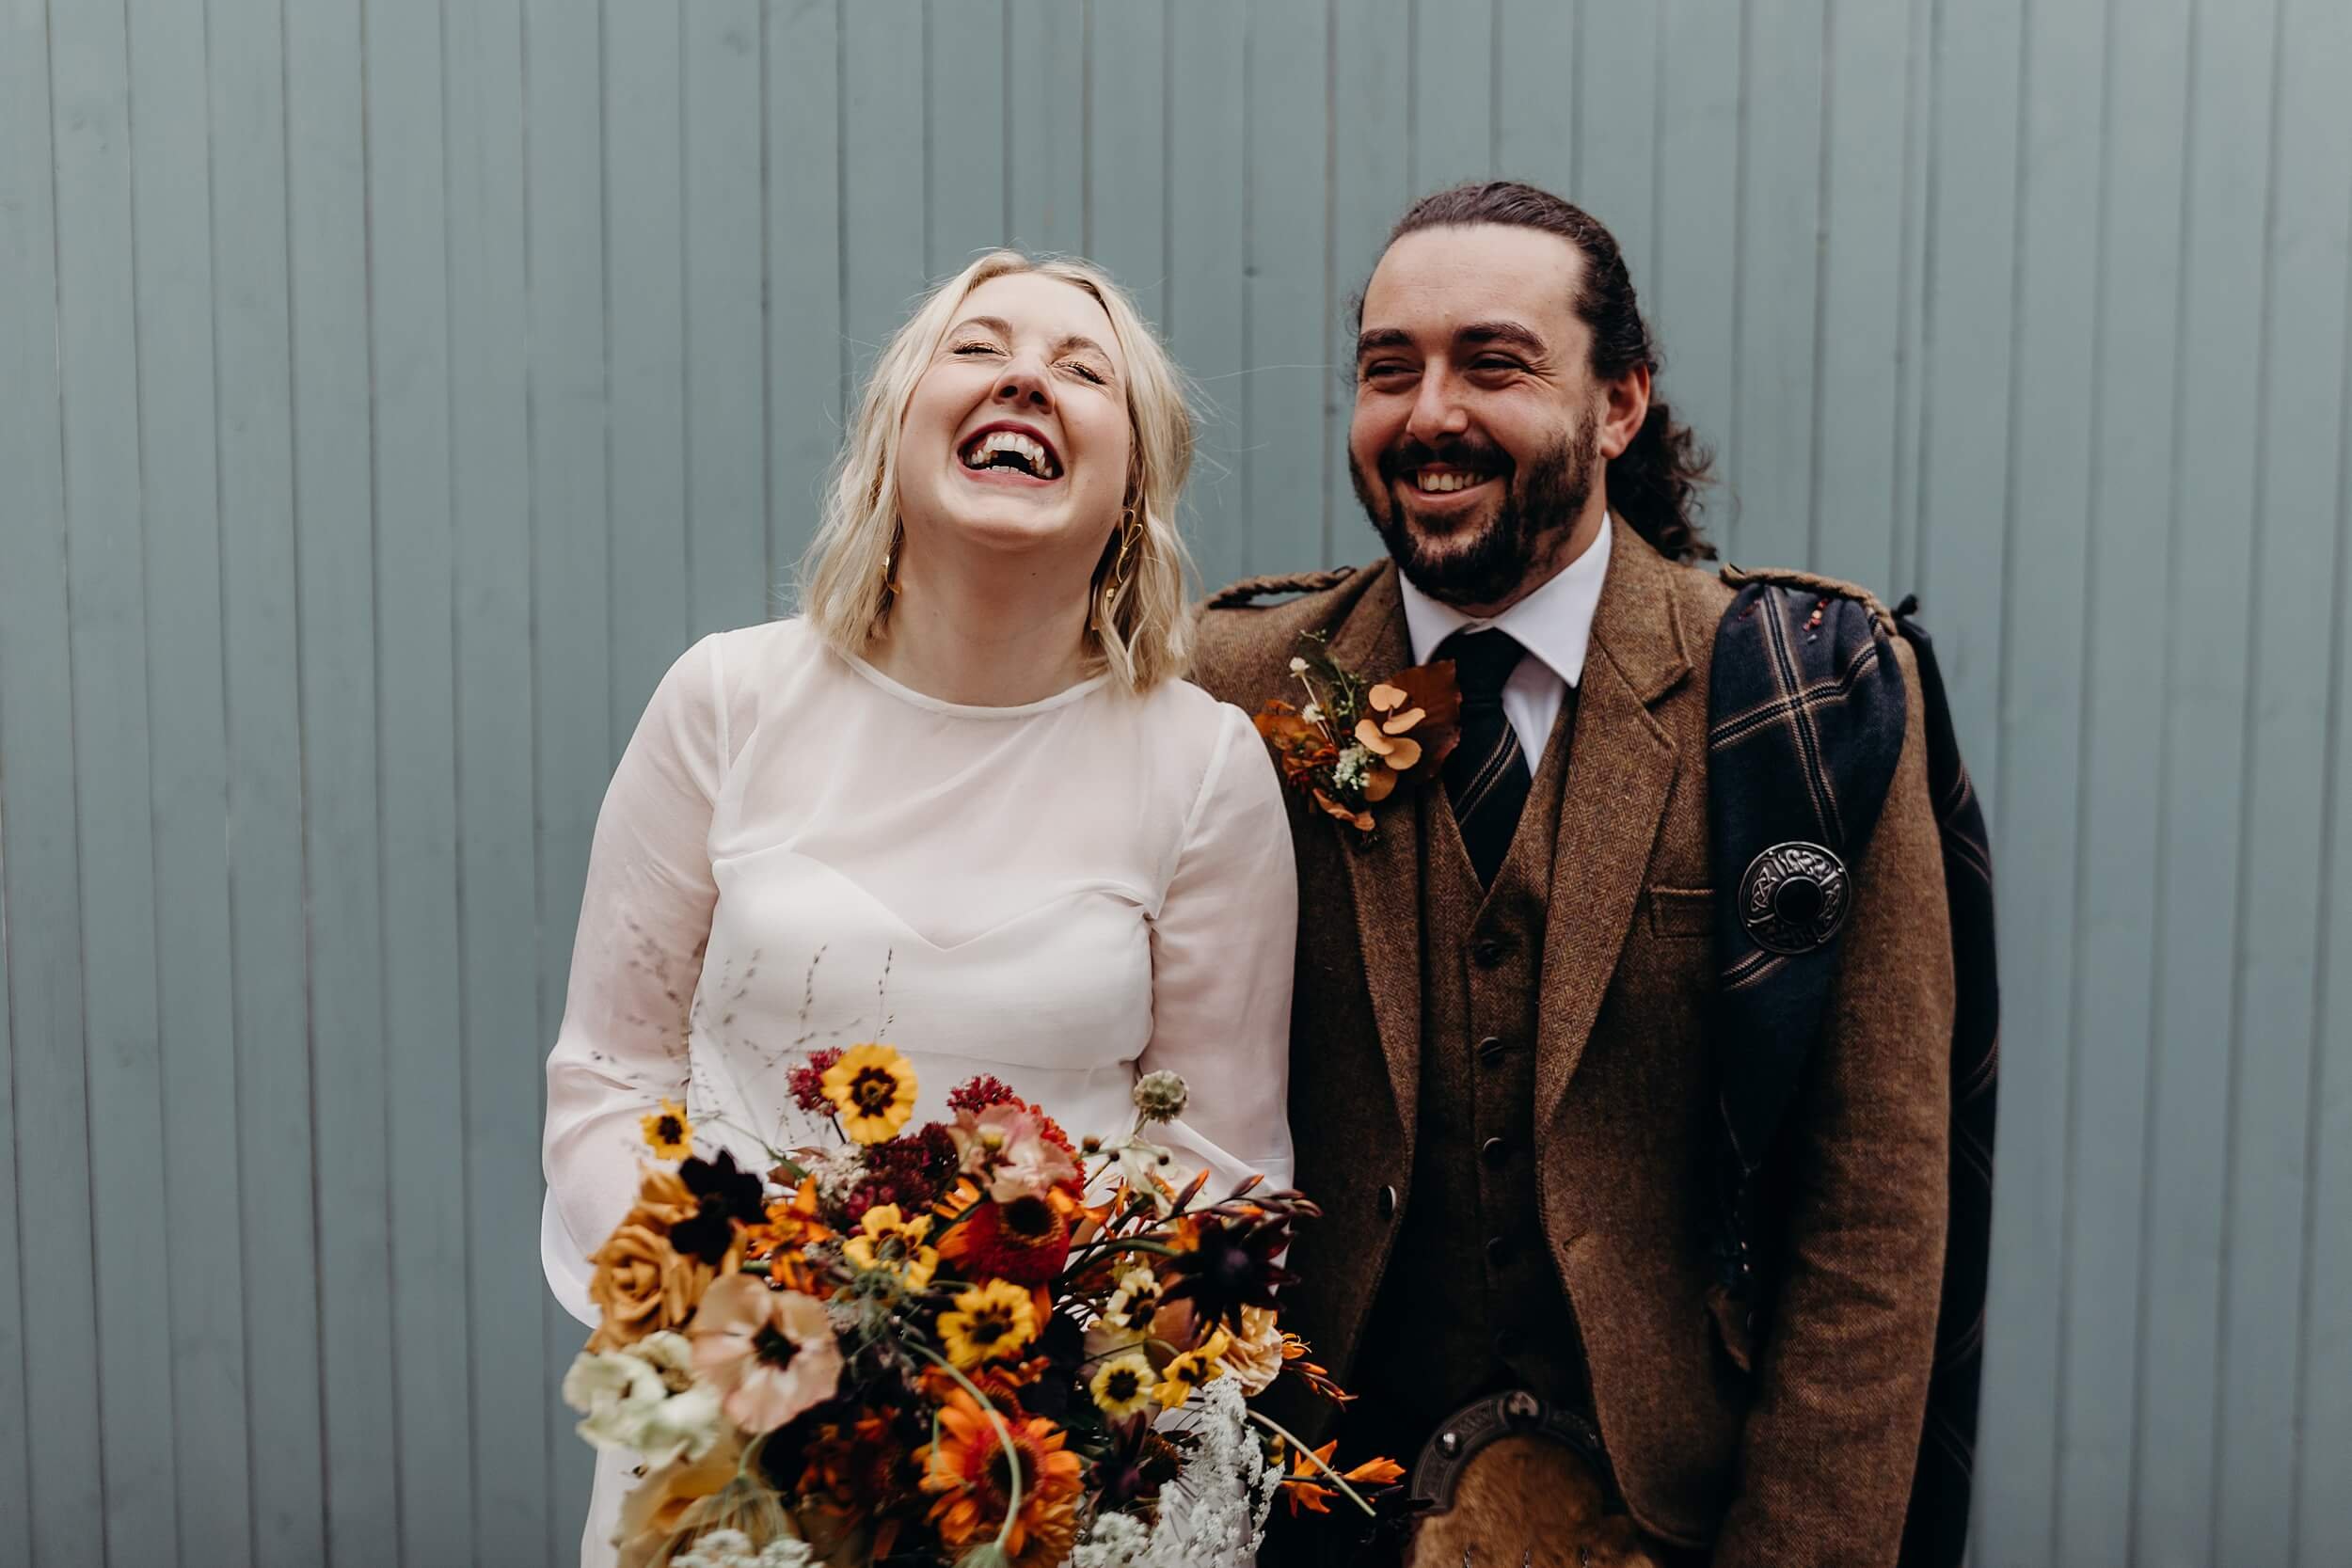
(1801, 1451)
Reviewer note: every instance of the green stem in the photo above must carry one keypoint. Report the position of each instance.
(1004, 1438)
(1320, 1464)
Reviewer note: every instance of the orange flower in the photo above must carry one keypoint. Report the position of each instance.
(789, 1228)
(1307, 1484)
(656, 1509)
(1026, 1240)
(641, 1282)
(968, 1466)
(1359, 820)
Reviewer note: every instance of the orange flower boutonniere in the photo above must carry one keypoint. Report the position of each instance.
(1349, 745)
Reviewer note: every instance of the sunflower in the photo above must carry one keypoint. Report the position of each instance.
(1123, 1385)
(1203, 1363)
(1026, 1240)
(967, 1464)
(872, 1091)
(671, 1135)
(886, 1240)
(993, 1321)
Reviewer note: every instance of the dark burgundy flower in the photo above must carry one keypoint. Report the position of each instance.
(727, 1196)
(1233, 1267)
(808, 1083)
(978, 1094)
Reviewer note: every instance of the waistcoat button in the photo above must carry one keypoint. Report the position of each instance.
(1388, 1202)
(1498, 1250)
(1490, 1050)
(1489, 950)
(1496, 1150)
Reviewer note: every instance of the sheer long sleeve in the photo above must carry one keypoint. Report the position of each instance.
(645, 917)
(1222, 948)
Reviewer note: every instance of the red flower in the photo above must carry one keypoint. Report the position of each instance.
(1026, 1240)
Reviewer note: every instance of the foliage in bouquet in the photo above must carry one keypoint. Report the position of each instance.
(1352, 740)
(974, 1342)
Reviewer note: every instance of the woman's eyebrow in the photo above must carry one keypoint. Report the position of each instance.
(997, 324)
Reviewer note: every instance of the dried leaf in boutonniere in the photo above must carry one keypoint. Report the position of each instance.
(1352, 742)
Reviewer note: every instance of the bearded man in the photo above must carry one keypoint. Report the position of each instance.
(1501, 1085)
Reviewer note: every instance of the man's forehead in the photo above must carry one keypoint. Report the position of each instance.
(1435, 280)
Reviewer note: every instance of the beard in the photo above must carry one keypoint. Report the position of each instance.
(1483, 557)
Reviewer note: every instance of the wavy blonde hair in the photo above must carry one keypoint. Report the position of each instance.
(1146, 638)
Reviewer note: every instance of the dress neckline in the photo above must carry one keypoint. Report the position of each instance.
(913, 698)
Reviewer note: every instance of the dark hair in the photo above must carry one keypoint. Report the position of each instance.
(1654, 484)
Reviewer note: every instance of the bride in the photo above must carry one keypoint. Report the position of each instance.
(962, 803)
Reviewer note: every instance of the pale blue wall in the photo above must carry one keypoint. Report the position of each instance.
(387, 390)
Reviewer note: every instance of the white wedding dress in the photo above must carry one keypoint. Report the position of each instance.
(797, 852)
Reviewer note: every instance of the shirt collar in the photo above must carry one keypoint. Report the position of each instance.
(1554, 622)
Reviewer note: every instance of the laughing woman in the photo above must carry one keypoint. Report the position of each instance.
(961, 803)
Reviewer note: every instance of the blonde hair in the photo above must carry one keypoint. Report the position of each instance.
(1146, 635)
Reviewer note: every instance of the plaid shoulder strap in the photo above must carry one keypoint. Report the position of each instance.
(1806, 724)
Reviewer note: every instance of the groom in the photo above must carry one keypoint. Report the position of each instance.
(1501, 1086)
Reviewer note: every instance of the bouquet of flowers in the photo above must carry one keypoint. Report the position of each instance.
(976, 1342)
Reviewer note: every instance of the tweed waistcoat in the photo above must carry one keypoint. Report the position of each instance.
(1472, 1303)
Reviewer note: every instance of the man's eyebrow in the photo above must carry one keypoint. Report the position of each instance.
(1501, 332)
(1380, 338)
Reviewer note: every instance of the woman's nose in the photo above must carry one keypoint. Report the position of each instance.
(1024, 383)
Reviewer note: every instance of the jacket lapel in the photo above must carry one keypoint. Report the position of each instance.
(1386, 874)
(1621, 769)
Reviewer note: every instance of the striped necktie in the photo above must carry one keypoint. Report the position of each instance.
(1487, 776)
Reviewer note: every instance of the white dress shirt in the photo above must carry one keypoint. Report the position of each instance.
(1553, 623)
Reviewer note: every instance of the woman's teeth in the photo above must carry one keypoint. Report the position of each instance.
(1023, 452)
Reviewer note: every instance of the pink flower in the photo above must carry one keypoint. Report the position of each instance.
(771, 1352)
(1007, 1145)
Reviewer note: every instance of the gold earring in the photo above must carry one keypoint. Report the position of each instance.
(890, 567)
(1123, 569)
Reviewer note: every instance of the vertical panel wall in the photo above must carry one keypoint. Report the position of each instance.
(389, 391)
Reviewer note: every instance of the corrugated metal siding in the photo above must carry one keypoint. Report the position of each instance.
(388, 391)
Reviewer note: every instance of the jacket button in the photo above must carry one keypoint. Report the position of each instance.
(1388, 1202)
(1495, 1150)
(1490, 1050)
(1498, 1251)
(1488, 951)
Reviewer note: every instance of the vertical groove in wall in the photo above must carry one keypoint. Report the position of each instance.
(2077, 969)
(1732, 465)
(2338, 789)
(2161, 924)
(2250, 619)
(1825, 214)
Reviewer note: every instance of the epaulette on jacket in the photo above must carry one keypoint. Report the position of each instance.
(1813, 582)
(1245, 594)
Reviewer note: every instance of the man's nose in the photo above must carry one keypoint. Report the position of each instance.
(1437, 411)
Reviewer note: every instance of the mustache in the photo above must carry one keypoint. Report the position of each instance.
(1461, 452)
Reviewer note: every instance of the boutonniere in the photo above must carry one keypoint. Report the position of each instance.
(1353, 742)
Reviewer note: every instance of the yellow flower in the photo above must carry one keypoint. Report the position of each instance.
(993, 1321)
(872, 1087)
(887, 1240)
(1204, 1363)
(668, 1131)
(1123, 1385)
